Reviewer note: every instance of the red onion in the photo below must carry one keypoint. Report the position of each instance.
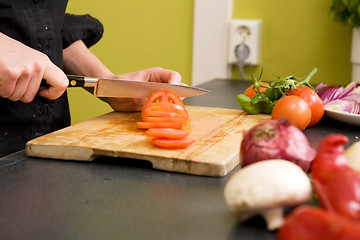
(348, 89)
(355, 96)
(344, 99)
(329, 93)
(342, 105)
(276, 139)
(326, 92)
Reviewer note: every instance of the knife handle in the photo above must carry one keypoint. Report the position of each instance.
(81, 81)
(75, 81)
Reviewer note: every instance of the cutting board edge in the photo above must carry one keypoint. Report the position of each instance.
(174, 164)
(60, 152)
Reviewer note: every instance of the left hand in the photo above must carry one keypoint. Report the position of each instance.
(155, 74)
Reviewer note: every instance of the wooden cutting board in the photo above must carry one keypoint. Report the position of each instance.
(217, 131)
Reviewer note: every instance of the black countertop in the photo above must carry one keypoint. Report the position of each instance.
(126, 199)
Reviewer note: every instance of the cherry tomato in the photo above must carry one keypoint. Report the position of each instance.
(147, 125)
(295, 109)
(172, 143)
(169, 133)
(312, 98)
(250, 92)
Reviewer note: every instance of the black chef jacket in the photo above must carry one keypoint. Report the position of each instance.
(44, 26)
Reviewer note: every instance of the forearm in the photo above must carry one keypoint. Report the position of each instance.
(79, 60)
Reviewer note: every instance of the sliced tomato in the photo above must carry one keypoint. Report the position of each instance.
(147, 125)
(163, 96)
(153, 109)
(159, 114)
(165, 111)
(172, 143)
(169, 133)
(181, 121)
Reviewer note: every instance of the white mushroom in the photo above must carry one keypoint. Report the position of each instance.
(265, 188)
(352, 153)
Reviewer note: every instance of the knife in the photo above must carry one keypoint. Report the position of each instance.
(107, 87)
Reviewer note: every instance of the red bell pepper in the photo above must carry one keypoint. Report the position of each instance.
(335, 183)
(311, 223)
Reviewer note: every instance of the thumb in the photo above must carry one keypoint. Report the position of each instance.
(57, 80)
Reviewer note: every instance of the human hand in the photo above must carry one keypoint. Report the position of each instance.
(22, 69)
(156, 74)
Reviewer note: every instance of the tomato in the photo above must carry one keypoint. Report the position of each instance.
(312, 98)
(169, 133)
(250, 92)
(181, 121)
(165, 110)
(163, 115)
(295, 109)
(163, 96)
(172, 143)
(147, 125)
(164, 106)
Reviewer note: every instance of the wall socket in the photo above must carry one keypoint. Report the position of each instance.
(248, 32)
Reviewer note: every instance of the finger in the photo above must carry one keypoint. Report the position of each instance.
(167, 76)
(20, 87)
(32, 89)
(174, 77)
(57, 80)
(6, 87)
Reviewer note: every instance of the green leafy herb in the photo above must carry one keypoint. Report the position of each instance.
(264, 102)
(346, 12)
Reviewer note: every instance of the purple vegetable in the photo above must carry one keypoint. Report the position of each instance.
(340, 98)
(276, 139)
(348, 106)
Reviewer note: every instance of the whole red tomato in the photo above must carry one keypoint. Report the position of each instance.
(295, 109)
(312, 98)
(249, 92)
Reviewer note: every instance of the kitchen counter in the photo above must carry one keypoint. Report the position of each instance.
(126, 199)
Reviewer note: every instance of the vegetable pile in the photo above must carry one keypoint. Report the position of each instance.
(334, 182)
(345, 99)
(288, 97)
(164, 116)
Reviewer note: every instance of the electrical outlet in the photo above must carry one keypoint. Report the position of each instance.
(248, 32)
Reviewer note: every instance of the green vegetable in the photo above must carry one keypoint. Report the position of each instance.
(346, 12)
(264, 102)
(247, 105)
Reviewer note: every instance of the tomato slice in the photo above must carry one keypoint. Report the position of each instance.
(169, 133)
(154, 109)
(163, 96)
(147, 125)
(172, 143)
(164, 111)
(181, 121)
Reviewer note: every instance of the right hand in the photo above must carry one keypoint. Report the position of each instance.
(22, 69)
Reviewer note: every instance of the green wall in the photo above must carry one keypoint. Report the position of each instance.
(297, 36)
(138, 34)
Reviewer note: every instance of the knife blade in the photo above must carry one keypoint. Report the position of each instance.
(108, 87)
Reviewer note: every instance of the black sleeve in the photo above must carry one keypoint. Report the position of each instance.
(81, 27)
